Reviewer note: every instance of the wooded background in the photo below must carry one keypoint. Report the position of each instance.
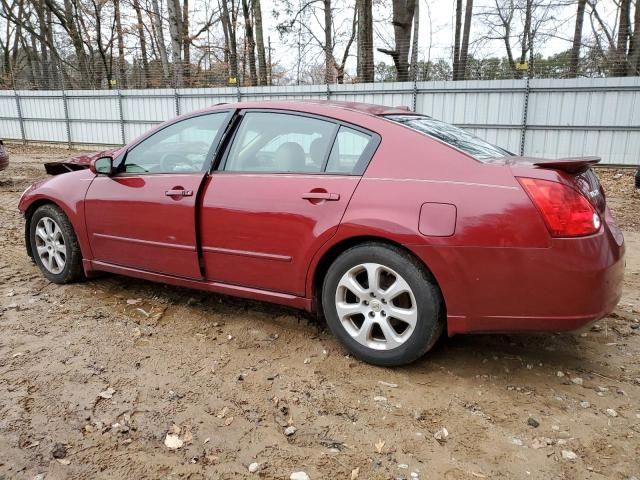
(120, 44)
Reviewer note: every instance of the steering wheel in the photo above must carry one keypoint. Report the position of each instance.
(175, 162)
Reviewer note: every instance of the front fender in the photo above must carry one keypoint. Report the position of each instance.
(68, 193)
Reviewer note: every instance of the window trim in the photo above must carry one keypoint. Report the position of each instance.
(211, 154)
(358, 171)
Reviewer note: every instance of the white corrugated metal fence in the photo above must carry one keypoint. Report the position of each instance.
(563, 117)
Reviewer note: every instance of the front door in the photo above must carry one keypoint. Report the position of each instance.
(144, 216)
(279, 194)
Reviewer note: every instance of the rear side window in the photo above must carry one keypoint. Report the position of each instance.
(278, 142)
(348, 151)
(454, 136)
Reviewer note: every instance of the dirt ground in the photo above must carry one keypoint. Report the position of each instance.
(96, 376)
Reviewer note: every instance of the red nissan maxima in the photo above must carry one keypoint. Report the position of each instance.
(394, 226)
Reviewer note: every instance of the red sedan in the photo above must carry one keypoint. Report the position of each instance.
(394, 226)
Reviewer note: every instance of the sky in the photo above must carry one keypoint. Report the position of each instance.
(436, 32)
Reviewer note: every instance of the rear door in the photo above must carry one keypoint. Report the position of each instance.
(278, 195)
(144, 216)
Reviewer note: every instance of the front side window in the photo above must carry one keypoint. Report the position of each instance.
(454, 136)
(182, 147)
(280, 142)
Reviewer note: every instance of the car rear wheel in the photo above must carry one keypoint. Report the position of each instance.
(54, 245)
(382, 304)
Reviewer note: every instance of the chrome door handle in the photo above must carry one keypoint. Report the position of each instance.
(178, 193)
(332, 197)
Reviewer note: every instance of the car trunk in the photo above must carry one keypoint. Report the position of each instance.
(577, 170)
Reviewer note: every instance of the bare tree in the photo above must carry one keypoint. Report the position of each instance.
(143, 42)
(175, 32)
(250, 44)
(229, 22)
(160, 43)
(122, 72)
(402, 25)
(262, 64)
(577, 39)
(365, 66)
(461, 47)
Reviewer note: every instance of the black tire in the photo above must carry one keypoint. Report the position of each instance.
(72, 270)
(429, 325)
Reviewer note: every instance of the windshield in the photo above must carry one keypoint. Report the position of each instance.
(454, 136)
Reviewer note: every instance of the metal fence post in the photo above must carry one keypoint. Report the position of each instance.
(414, 95)
(238, 92)
(20, 117)
(67, 122)
(65, 106)
(121, 113)
(176, 97)
(525, 111)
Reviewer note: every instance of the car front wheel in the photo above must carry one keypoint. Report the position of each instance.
(382, 304)
(54, 245)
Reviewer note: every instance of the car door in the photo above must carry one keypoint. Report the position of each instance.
(144, 216)
(277, 196)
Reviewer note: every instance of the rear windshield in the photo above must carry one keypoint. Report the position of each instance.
(454, 136)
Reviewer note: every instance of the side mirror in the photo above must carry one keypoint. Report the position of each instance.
(102, 166)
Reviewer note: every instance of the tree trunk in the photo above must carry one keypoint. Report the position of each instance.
(456, 40)
(44, 57)
(402, 25)
(250, 44)
(577, 40)
(143, 43)
(464, 47)
(341, 68)
(328, 43)
(122, 72)
(162, 48)
(175, 32)
(527, 31)
(186, 42)
(262, 63)
(229, 19)
(365, 40)
(415, 43)
(67, 20)
(623, 37)
(633, 65)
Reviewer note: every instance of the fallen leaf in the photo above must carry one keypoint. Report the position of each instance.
(228, 421)
(108, 393)
(355, 473)
(173, 441)
(387, 384)
(379, 446)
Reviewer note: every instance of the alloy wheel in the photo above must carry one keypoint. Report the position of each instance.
(376, 306)
(50, 245)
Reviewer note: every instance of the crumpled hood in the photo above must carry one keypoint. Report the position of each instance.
(78, 163)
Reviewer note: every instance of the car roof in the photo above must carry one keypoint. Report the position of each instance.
(315, 105)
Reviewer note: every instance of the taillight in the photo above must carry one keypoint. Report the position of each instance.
(566, 212)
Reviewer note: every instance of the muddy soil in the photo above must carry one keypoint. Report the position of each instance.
(96, 377)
